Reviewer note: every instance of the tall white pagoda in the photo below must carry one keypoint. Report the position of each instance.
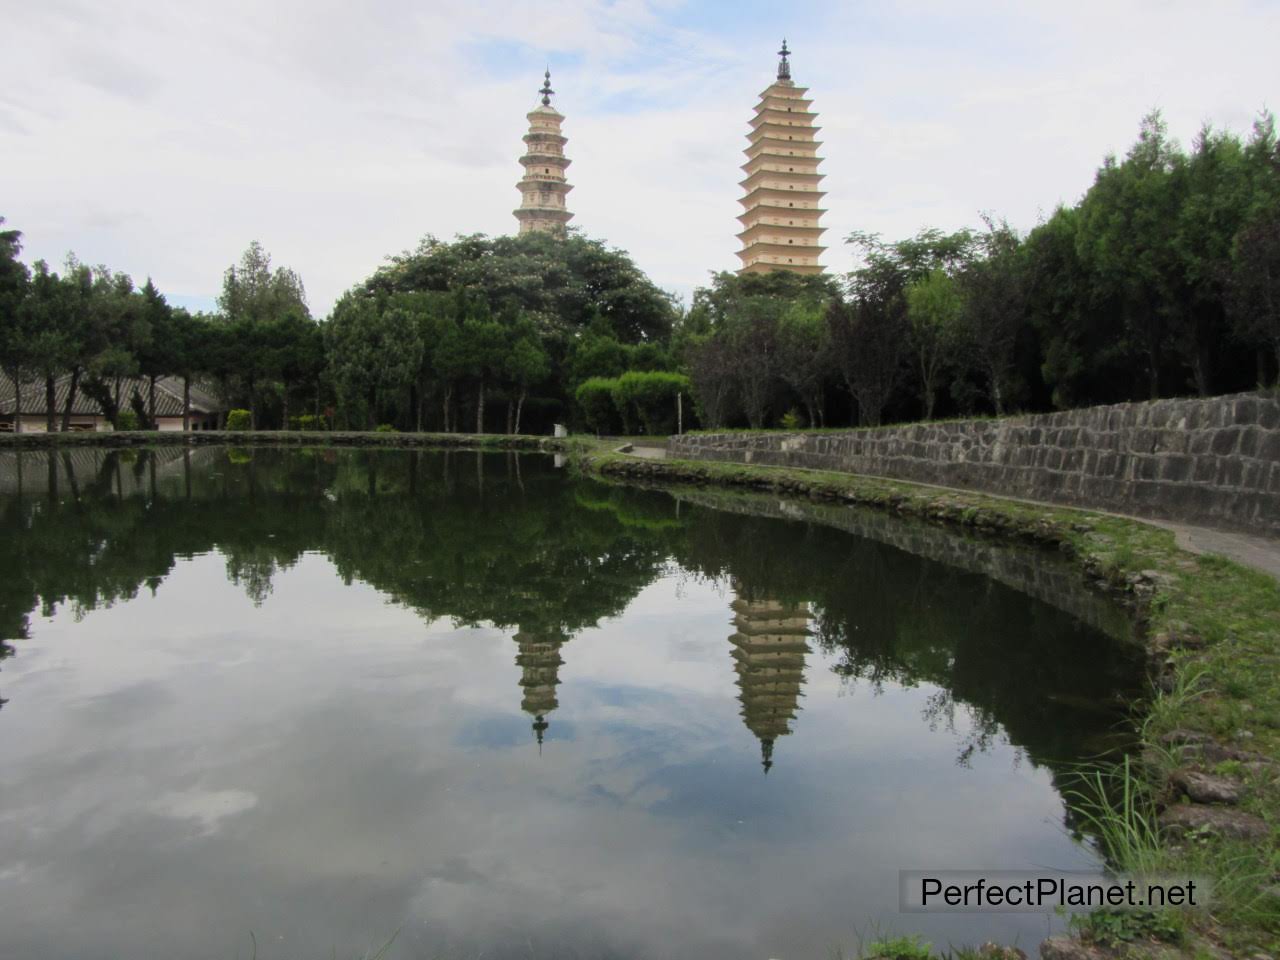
(781, 201)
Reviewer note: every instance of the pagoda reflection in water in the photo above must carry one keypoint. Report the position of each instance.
(539, 661)
(769, 649)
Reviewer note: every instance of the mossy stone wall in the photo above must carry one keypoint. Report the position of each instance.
(1214, 461)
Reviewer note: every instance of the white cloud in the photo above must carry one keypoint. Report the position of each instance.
(161, 140)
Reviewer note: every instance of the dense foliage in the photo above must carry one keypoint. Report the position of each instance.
(1164, 279)
(95, 328)
(486, 323)
(452, 334)
(649, 399)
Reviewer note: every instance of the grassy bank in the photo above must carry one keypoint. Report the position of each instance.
(1211, 721)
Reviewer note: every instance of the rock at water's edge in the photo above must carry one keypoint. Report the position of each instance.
(1224, 821)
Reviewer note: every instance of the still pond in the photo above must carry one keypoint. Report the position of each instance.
(315, 699)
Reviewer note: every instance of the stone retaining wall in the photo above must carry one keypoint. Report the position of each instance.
(1211, 462)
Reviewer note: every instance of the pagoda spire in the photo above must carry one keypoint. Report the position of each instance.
(543, 187)
(781, 199)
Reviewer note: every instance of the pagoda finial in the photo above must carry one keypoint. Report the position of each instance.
(784, 68)
(546, 90)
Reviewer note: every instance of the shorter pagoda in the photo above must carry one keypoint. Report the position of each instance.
(543, 187)
(539, 661)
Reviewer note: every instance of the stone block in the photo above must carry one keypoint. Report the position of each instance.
(1245, 410)
(1268, 448)
(1176, 468)
(1250, 439)
(1225, 441)
(1230, 472)
(1201, 443)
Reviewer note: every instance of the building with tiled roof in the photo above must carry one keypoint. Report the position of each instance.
(87, 414)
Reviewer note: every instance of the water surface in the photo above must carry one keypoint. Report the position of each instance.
(327, 696)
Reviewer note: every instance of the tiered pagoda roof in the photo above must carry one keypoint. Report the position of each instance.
(543, 187)
(539, 661)
(769, 648)
(781, 197)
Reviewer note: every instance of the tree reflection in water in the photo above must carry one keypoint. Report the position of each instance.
(511, 541)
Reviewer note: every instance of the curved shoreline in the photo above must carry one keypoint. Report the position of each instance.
(1211, 629)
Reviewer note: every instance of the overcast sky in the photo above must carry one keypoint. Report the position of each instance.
(160, 139)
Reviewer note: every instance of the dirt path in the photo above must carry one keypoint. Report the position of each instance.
(1260, 553)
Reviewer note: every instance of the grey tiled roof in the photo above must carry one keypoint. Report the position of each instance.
(81, 465)
(168, 397)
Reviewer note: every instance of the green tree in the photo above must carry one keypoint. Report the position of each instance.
(485, 346)
(451, 362)
(86, 328)
(562, 283)
(296, 344)
(372, 354)
(50, 347)
(595, 355)
(871, 335)
(1213, 204)
(1253, 294)
(653, 396)
(525, 365)
(887, 269)
(252, 291)
(713, 379)
(753, 339)
(868, 337)
(804, 357)
(1126, 222)
(1255, 284)
(117, 331)
(934, 311)
(1085, 356)
(994, 311)
(13, 338)
(254, 298)
(595, 398)
(192, 344)
(157, 353)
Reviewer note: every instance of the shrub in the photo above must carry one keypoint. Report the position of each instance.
(238, 420)
(652, 396)
(595, 400)
(311, 421)
(385, 428)
(791, 419)
(126, 420)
